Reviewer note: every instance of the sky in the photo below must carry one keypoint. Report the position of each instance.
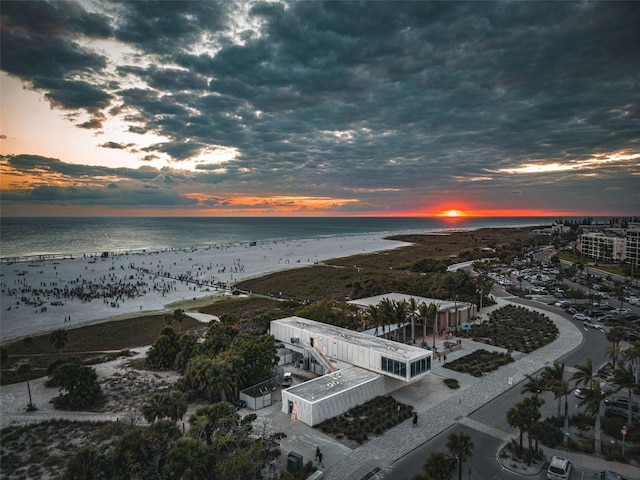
(309, 108)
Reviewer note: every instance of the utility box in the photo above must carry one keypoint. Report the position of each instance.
(294, 462)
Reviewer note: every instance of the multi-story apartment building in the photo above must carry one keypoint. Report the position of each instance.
(633, 247)
(603, 247)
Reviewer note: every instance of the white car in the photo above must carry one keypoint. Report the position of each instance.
(559, 469)
(581, 317)
(593, 325)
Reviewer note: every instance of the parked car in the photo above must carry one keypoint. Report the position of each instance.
(609, 475)
(559, 469)
(631, 335)
(287, 380)
(620, 412)
(562, 304)
(631, 316)
(581, 317)
(621, 402)
(580, 393)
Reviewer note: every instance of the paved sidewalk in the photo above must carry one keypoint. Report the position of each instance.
(453, 406)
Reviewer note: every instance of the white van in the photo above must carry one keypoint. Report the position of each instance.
(559, 469)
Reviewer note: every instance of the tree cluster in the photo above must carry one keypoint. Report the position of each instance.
(220, 444)
(223, 363)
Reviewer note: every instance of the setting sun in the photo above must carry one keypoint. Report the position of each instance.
(452, 213)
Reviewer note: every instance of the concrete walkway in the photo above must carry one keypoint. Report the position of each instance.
(453, 406)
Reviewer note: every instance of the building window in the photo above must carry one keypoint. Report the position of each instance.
(420, 366)
(395, 367)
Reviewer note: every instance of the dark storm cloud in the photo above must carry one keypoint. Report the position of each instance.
(132, 197)
(36, 163)
(333, 97)
(116, 146)
(40, 46)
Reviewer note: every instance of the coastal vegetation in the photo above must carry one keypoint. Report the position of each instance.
(370, 419)
(514, 327)
(479, 362)
(215, 361)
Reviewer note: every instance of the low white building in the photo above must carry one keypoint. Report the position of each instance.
(451, 314)
(358, 367)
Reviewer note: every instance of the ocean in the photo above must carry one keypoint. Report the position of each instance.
(33, 237)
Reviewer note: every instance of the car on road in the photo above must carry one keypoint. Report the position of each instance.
(562, 304)
(595, 326)
(580, 393)
(581, 317)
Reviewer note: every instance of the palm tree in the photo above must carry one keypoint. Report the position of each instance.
(437, 466)
(593, 402)
(632, 355)
(623, 376)
(535, 385)
(386, 312)
(426, 312)
(24, 369)
(157, 406)
(584, 374)
(178, 316)
(615, 335)
(553, 377)
(516, 419)
(59, 339)
(524, 415)
(412, 307)
(461, 446)
(400, 317)
(375, 318)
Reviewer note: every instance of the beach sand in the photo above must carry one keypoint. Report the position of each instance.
(45, 295)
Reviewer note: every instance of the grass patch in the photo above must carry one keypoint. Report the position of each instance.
(103, 341)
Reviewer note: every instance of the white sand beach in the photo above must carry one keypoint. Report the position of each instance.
(44, 295)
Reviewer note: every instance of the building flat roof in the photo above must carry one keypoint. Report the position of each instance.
(331, 384)
(396, 350)
(401, 297)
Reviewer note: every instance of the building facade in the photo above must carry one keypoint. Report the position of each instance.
(357, 367)
(602, 247)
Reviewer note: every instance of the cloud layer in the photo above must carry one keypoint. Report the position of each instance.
(336, 107)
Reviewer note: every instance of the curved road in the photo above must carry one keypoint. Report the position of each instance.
(491, 428)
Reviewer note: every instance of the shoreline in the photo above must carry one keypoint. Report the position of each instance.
(39, 297)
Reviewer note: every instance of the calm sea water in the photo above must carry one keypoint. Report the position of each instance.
(60, 236)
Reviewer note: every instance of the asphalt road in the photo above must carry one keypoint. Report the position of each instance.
(484, 463)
